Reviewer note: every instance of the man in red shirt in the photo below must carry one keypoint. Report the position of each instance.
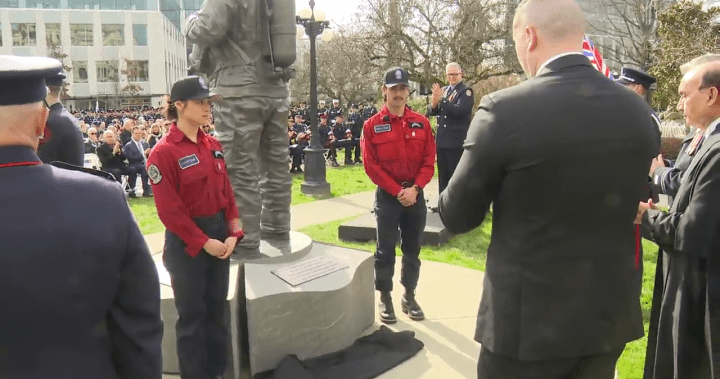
(398, 148)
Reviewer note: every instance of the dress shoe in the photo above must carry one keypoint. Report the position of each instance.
(349, 163)
(132, 194)
(292, 170)
(411, 307)
(358, 161)
(434, 209)
(335, 163)
(387, 312)
(147, 194)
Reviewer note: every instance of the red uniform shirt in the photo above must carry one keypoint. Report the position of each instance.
(398, 149)
(190, 181)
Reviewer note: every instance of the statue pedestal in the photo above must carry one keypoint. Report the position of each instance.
(319, 316)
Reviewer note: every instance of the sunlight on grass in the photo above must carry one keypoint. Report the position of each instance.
(146, 215)
(344, 180)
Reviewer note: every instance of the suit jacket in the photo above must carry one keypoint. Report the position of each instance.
(560, 278)
(134, 156)
(63, 139)
(110, 160)
(686, 302)
(90, 149)
(453, 116)
(76, 304)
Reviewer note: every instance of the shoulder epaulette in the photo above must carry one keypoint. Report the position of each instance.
(72, 167)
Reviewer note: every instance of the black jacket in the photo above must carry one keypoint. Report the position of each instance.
(453, 116)
(77, 302)
(560, 277)
(110, 160)
(65, 140)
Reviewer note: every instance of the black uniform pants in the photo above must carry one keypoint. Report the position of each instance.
(596, 366)
(200, 285)
(118, 172)
(447, 160)
(140, 169)
(296, 152)
(390, 215)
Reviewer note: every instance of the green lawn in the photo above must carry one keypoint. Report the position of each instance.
(470, 250)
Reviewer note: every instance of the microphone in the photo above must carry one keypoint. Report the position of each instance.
(386, 118)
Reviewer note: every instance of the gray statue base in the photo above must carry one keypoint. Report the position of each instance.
(364, 228)
(299, 244)
(327, 311)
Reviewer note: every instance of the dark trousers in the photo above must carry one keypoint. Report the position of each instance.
(596, 366)
(200, 286)
(390, 215)
(447, 160)
(296, 152)
(140, 169)
(349, 145)
(118, 172)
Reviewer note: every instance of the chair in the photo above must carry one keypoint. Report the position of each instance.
(92, 161)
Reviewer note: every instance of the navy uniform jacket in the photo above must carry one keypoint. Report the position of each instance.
(369, 111)
(454, 113)
(355, 120)
(77, 301)
(64, 141)
(332, 113)
(666, 180)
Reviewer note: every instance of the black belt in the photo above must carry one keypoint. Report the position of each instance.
(407, 184)
(209, 221)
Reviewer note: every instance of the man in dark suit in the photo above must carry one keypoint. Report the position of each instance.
(63, 140)
(453, 107)
(75, 304)
(561, 294)
(112, 159)
(136, 151)
(685, 342)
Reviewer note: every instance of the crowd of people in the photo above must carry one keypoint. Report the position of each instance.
(336, 131)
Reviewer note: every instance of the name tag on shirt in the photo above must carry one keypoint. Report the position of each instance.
(189, 161)
(382, 128)
(417, 125)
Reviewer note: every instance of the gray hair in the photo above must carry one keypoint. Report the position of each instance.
(453, 65)
(686, 67)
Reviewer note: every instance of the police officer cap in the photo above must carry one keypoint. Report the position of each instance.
(323, 115)
(354, 105)
(395, 76)
(632, 76)
(56, 79)
(22, 79)
(192, 88)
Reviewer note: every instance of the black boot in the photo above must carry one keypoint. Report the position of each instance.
(411, 307)
(387, 312)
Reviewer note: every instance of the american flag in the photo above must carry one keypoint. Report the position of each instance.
(593, 54)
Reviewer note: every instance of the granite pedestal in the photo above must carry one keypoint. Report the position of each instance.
(299, 245)
(364, 228)
(317, 317)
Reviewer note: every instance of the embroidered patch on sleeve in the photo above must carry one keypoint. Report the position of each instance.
(154, 174)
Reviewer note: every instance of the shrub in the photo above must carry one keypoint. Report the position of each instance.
(670, 147)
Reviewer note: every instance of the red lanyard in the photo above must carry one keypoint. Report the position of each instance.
(15, 164)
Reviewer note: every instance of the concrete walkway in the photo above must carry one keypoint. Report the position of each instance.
(448, 294)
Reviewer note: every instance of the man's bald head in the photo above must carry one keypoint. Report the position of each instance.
(707, 58)
(22, 125)
(545, 28)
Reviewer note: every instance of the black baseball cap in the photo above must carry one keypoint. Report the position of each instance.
(395, 76)
(192, 88)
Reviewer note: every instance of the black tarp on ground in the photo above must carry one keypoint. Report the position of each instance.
(367, 358)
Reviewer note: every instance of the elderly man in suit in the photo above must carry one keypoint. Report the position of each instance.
(137, 151)
(75, 304)
(686, 343)
(561, 294)
(453, 107)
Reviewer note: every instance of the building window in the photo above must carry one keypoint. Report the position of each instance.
(23, 34)
(9, 4)
(79, 72)
(107, 71)
(113, 35)
(137, 71)
(139, 35)
(52, 35)
(81, 34)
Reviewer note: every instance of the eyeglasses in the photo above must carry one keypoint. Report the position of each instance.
(453, 75)
(92, 134)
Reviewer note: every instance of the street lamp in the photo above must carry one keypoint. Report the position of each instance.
(314, 23)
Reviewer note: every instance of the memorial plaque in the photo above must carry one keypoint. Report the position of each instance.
(310, 269)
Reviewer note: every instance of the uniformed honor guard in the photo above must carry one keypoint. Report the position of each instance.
(355, 122)
(453, 107)
(369, 110)
(62, 140)
(80, 293)
(398, 149)
(196, 204)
